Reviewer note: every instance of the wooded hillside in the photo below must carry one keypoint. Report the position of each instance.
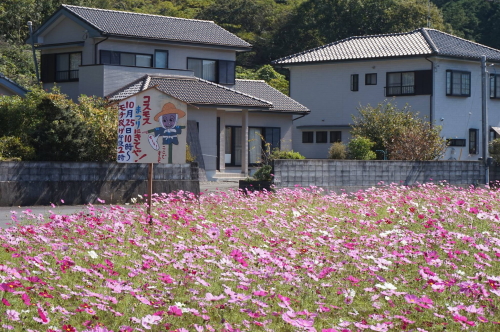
(276, 28)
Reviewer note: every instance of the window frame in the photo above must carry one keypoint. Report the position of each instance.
(321, 136)
(225, 70)
(354, 82)
(308, 137)
(449, 83)
(155, 57)
(473, 141)
(494, 86)
(119, 53)
(371, 79)
(69, 70)
(456, 142)
(400, 86)
(334, 133)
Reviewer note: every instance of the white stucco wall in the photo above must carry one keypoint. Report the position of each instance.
(207, 119)
(326, 90)
(459, 114)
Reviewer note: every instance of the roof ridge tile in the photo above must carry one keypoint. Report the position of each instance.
(143, 14)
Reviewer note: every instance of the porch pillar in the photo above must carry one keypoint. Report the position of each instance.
(244, 142)
(222, 141)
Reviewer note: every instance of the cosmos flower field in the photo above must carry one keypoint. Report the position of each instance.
(387, 259)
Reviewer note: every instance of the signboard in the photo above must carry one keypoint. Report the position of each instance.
(152, 129)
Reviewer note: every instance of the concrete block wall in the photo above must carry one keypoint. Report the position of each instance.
(352, 175)
(42, 183)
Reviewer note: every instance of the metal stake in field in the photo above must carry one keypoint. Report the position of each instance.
(150, 192)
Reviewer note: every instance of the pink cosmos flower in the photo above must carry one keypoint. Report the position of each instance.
(12, 315)
(174, 311)
(210, 297)
(149, 320)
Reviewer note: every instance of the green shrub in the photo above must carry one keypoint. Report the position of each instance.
(12, 148)
(360, 148)
(263, 173)
(337, 151)
(285, 154)
(494, 150)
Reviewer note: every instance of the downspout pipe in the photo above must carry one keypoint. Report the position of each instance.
(95, 49)
(431, 110)
(30, 26)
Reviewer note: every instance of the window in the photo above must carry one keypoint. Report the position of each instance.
(354, 82)
(161, 59)
(219, 71)
(257, 139)
(335, 136)
(409, 83)
(67, 66)
(308, 137)
(370, 79)
(126, 59)
(321, 137)
(495, 86)
(473, 135)
(457, 83)
(456, 142)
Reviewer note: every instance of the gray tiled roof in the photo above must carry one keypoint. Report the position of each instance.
(112, 22)
(192, 90)
(4, 80)
(422, 41)
(260, 89)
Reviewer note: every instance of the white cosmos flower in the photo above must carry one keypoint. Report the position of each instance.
(93, 254)
(386, 285)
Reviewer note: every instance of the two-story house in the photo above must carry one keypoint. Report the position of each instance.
(110, 53)
(437, 74)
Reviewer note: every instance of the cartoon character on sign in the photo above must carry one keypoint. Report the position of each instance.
(169, 129)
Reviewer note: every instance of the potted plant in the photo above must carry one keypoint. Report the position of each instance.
(262, 179)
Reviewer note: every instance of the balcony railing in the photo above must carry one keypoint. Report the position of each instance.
(67, 75)
(399, 90)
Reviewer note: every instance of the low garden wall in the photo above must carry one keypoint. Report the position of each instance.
(42, 183)
(352, 175)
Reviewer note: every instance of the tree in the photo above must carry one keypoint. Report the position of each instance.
(49, 126)
(401, 133)
(266, 73)
(360, 148)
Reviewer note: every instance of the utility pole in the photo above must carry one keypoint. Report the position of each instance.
(484, 108)
(30, 25)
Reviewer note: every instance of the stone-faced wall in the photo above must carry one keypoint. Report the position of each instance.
(42, 183)
(352, 175)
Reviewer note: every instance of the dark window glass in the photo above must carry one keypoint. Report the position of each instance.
(473, 135)
(273, 137)
(321, 136)
(126, 59)
(399, 84)
(458, 83)
(495, 86)
(335, 136)
(371, 79)
(67, 66)
(308, 137)
(161, 59)
(219, 71)
(456, 142)
(354, 82)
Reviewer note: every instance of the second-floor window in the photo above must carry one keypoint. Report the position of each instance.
(218, 71)
(457, 83)
(67, 66)
(60, 67)
(408, 83)
(495, 86)
(371, 79)
(126, 59)
(400, 83)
